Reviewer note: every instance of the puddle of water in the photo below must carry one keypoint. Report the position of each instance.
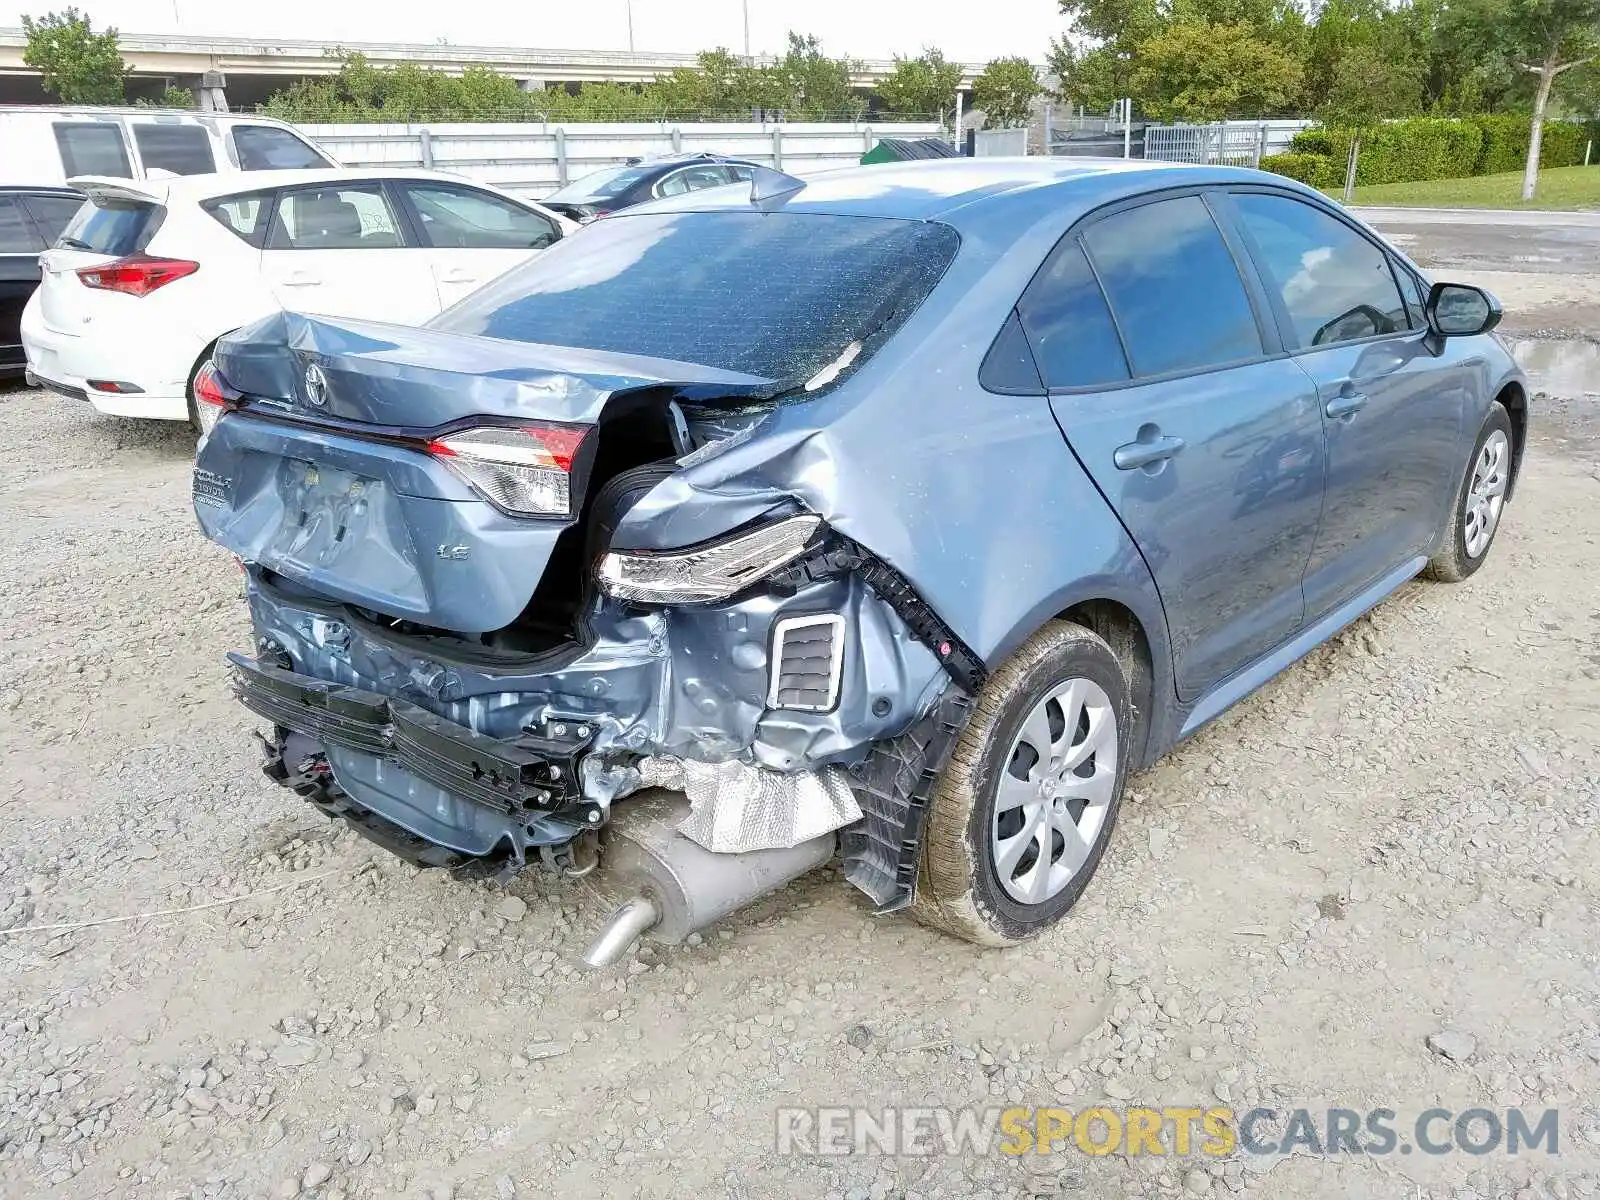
(1563, 367)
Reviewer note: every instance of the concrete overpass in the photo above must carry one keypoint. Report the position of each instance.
(256, 67)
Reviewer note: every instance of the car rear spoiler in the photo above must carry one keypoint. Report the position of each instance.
(105, 187)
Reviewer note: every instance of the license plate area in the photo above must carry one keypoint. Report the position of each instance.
(326, 511)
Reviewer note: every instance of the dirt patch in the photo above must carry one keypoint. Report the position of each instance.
(1394, 842)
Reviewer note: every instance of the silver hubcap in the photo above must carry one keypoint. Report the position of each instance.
(1486, 494)
(1054, 790)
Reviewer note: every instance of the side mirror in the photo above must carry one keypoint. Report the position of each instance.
(1461, 310)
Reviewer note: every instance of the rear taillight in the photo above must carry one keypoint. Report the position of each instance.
(212, 395)
(521, 468)
(137, 274)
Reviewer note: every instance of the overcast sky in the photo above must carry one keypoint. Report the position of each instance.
(973, 32)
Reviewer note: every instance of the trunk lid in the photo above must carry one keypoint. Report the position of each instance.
(324, 474)
(119, 219)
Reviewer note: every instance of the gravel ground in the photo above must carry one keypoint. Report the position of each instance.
(1394, 842)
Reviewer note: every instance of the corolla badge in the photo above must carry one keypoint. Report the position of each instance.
(316, 386)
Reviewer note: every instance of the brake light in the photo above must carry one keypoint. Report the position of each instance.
(522, 468)
(137, 274)
(212, 396)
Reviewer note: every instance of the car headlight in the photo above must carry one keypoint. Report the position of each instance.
(711, 572)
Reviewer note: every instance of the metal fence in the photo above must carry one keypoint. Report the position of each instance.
(1234, 143)
(535, 158)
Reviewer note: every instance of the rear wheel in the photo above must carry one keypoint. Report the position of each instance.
(1022, 814)
(1479, 502)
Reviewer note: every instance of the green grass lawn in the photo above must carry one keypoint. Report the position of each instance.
(1559, 187)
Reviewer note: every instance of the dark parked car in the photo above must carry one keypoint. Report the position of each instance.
(905, 511)
(30, 221)
(603, 192)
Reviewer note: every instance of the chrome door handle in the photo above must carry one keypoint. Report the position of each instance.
(1346, 404)
(1143, 453)
(458, 276)
(301, 279)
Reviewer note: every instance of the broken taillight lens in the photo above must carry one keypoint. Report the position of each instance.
(211, 397)
(525, 469)
(137, 274)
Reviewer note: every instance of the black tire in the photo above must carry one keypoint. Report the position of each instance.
(959, 889)
(1453, 563)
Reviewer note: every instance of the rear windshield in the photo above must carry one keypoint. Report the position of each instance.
(601, 185)
(111, 227)
(780, 295)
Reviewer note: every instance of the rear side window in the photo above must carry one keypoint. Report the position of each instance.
(112, 227)
(461, 218)
(334, 218)
(692, 179)
(52, 214)
(779, 295)
(92, 148)
(242, 215)
(1336, 285)
(181, 149)
(16, 232)
(268, 148)
(1173, 287)
(1074, 340)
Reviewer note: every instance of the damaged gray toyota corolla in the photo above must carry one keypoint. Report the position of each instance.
(896, 515)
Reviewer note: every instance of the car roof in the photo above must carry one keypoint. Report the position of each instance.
(40, 189)
(968, 188)
(147, 113)
(233, 183)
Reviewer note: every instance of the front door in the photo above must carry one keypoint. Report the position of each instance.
(339, 250)
(473, 236)
(1392, 412)
(1210, 452)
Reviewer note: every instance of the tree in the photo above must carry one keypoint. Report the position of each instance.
(79, 65)
(812, 85)
(1546, 38)
(1193, 71)
(172, 97)
(1005, 92)
(921, 86)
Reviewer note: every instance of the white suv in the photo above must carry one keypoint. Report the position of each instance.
(151, 273)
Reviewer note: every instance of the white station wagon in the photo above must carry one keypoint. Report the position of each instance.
(150, 273)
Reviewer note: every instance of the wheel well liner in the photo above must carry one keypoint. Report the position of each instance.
(1514, 400)
(1126, 636)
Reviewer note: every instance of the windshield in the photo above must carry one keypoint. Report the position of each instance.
(780, 295)
(600, 185)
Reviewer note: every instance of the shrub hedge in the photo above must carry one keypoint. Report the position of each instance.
(1428, 148)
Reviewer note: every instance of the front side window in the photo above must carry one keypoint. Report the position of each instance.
(1336, 285)
(268, 148)
(1174, 287)
(181, 149)
(92, 148)
(462, 218)
(778, 295)
(16, 232)
(1069, 325)
(334, 218)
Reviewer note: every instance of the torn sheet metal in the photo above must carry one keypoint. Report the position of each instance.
(735, 807)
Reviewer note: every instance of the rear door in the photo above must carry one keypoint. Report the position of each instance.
(20, 245)
(340, 249)
(1166, 379)
(471, 235)
(1392, 411)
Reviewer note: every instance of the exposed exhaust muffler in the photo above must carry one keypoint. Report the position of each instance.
(676, 887)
